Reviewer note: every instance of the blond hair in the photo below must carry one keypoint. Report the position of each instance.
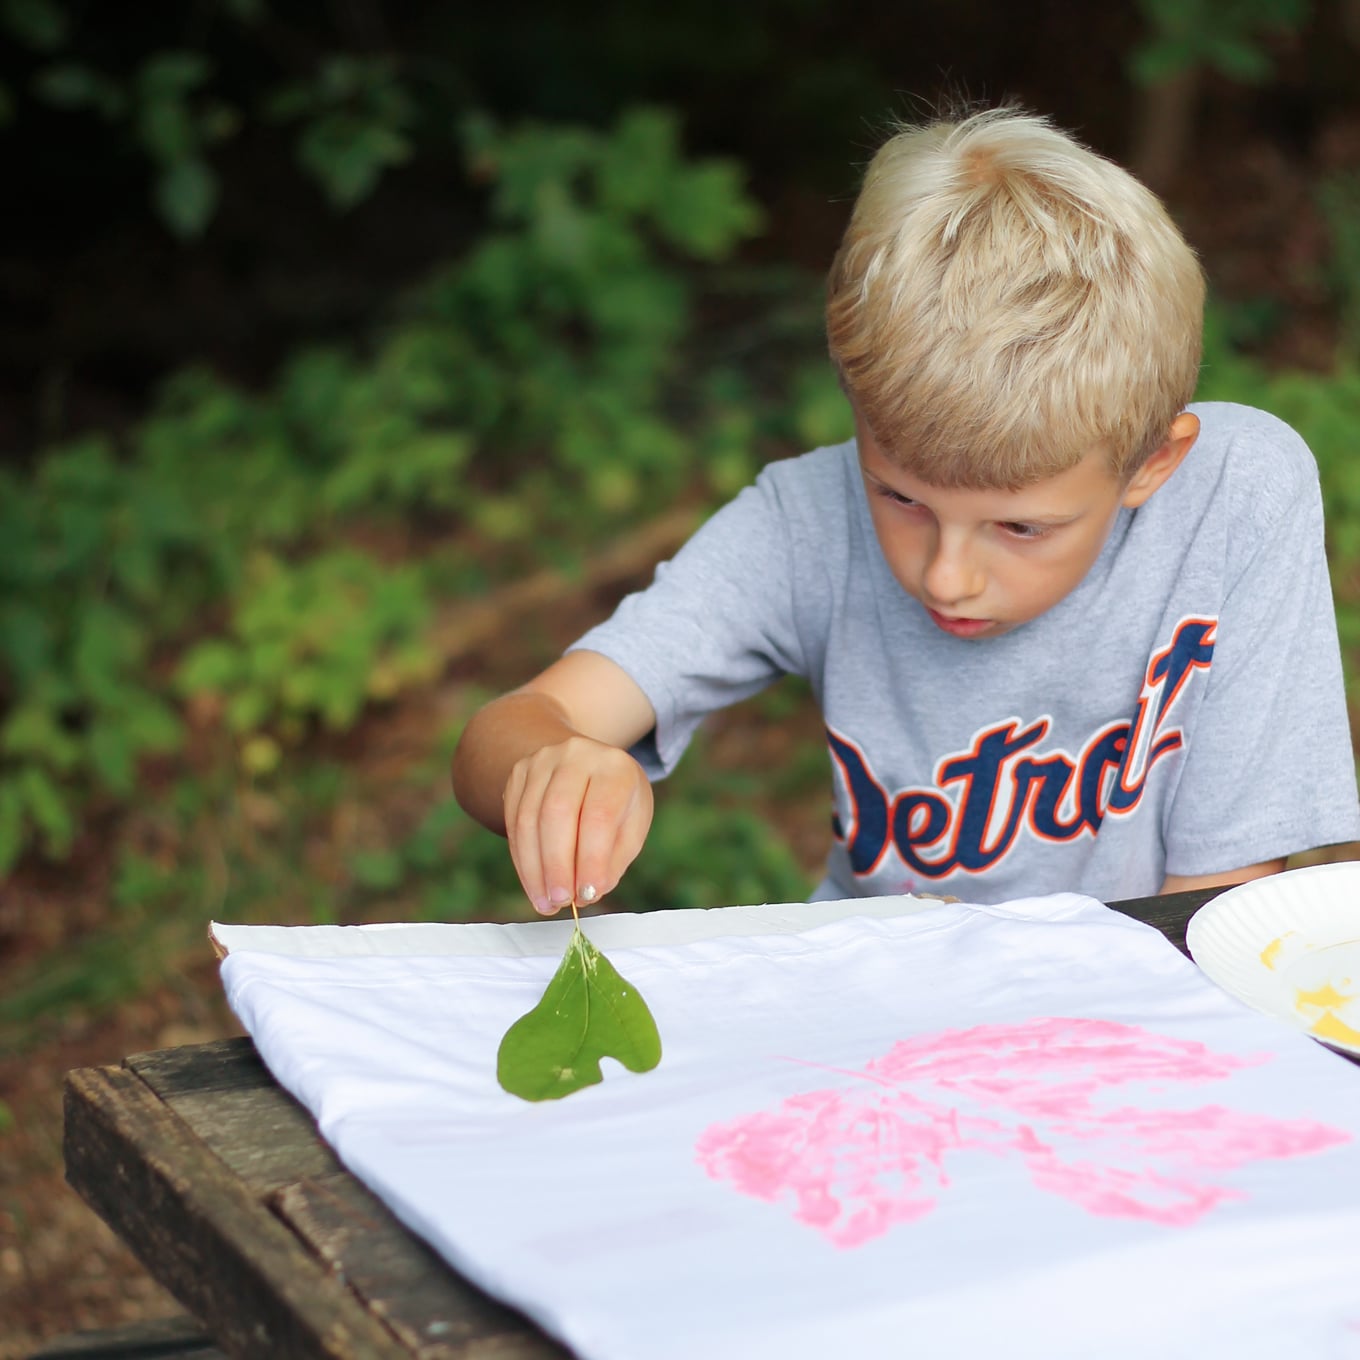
(1005, 300)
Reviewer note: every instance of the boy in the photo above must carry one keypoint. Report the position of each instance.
(1065, 631)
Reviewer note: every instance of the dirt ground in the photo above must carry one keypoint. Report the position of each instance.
(1253, 217)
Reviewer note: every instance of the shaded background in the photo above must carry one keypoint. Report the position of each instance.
(354, 358)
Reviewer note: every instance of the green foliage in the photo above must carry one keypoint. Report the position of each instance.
(1325, 409)
(170, 113)
(176, 128)
(353, 115)
(42, 25)
(83, 558)
(356, 118)
(447, 869)
(1338, 197)
(575, 316)
(588, 1012)
(70, 86)
(98, 971)
(706, 853)
(1224, 35)
(821, 413)
(315, 640)
(531, 396)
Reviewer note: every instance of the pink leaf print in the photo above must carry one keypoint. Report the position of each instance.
(856, 1159)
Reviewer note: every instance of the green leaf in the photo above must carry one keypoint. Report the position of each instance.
(588, 1012)
(821, 413)
(212, 665)
(49, 809)
(33, 733)
(39, 24)
(72, 86)
(1239, 59)
(638, 158)
(706, 211)
(152, 725)
(110, 643)
(26, 640)
(174, 72)
(12, 825)
(113, 757)
(378, 870)
(186, 194)
(247, 711)
(347, 155)
(141, 882)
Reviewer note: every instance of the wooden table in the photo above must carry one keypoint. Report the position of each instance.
(219, 1182)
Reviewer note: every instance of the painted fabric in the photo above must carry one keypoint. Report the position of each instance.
(1022, 1130)
(1182, 711)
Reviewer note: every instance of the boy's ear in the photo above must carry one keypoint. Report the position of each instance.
(1163, 461)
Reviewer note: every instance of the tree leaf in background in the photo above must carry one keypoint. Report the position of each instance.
(69, 85)
(347, 155)
(49, 808)
(588, 1012)
(12, 825)
(41, 25)
(186, 194)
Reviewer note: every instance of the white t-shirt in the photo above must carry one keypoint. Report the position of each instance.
(1033, 1131)
(1181, 711)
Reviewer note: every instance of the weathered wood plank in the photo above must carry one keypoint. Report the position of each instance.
(223, 1065)
(224, 1093)
(437, 1314)
(177, 1338)
(196, 1228)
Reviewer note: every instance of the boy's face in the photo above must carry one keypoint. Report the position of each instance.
(983, 562)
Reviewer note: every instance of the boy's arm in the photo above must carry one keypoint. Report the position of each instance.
(547, 767)
(1182, 883)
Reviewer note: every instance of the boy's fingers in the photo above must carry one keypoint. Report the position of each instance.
(633, 834)
(523, 794)
(559, 816)
(596, 834)
(614, 821)
(575, 819)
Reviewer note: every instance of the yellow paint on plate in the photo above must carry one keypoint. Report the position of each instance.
(1272, 951)
(1324, 998)
(1329, 1027)
(1328, 999)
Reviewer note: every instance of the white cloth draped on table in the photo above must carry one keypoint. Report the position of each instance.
(1031, 1129)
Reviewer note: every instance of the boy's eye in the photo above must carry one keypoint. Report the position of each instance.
(1017, 530)
(896, 497)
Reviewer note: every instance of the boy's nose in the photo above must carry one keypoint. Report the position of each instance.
(952, 575)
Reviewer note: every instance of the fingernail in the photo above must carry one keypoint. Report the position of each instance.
(587, 893)
(559, 896)
(542, 907)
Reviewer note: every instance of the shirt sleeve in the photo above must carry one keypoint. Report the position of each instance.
(716, 625)
(1269, 768)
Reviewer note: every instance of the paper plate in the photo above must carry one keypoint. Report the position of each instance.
(1289, 945)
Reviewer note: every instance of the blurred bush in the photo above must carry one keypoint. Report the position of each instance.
(551, 383)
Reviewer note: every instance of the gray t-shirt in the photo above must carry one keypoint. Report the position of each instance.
(1181, 711)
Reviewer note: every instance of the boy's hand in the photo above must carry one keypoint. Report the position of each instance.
(576, 815)
(547, 766)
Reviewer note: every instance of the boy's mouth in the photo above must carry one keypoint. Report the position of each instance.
(957, 627)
